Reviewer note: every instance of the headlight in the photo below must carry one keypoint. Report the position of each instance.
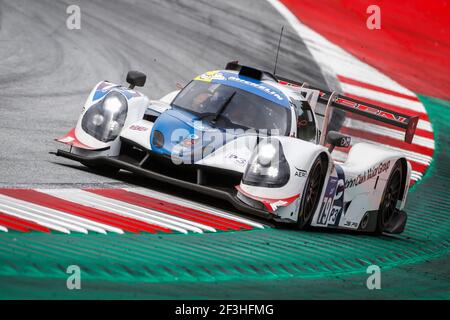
(268, 166)
(105, 120)
(266, 154)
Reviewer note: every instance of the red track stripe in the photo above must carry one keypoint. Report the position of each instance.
(146, 203)
(12, 225)
(419, 132)
(171, 208)
(376, 88)
(416, 166)
(109, 218)
(412, 48)
(398, 109)
(20, 224)
(387, 140)
(52, 202)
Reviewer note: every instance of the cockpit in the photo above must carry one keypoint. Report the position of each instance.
(230, 107)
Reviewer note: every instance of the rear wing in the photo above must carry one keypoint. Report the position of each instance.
(339, 101)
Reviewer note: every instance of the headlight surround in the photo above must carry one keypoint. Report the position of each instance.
(105, 120)
(268, 166)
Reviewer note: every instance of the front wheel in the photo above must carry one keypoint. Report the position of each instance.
(311, 193)
(391, 195)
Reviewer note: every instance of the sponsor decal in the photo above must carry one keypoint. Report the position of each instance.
(210, 75)
(300, 173)
(327, 202)
(285, 83)
(345, 142)
(236, 159)
(138, 128)
(369, 109)
(332, 206)
(274, 205)
(338, 203)
(105, 87)
(368, 174)
(257, 86)
(351, 224)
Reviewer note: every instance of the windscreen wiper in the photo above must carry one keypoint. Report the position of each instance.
(222, 108)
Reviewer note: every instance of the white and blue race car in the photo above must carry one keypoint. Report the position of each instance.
(254, 139)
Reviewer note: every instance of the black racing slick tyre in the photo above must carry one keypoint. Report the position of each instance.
(311, 193)
(391, 195)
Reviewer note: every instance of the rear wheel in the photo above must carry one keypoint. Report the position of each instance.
(390, 197)
(311, 194)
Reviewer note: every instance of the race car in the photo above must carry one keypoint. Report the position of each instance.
(254, 139)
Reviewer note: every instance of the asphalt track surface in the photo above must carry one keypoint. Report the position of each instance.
(47, 70)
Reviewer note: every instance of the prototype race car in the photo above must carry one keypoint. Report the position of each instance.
(254, 139)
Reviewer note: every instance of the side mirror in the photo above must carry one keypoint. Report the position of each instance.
(136, 78)
(336, 139)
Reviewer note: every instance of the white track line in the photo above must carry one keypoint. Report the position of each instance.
(194, 205)
(4, 229)
(77, 221)
(385, 131)
(132, 211)
(70, 225)
(415, 175)
(333, 59)
(383, 97)
(48, 223)
(160, 215)
(75, 196)
(424, 125)
(45, 211)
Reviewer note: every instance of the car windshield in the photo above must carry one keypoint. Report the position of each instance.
(229, 107)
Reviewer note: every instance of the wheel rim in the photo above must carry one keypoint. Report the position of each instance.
(390, 198)
(312, 191)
